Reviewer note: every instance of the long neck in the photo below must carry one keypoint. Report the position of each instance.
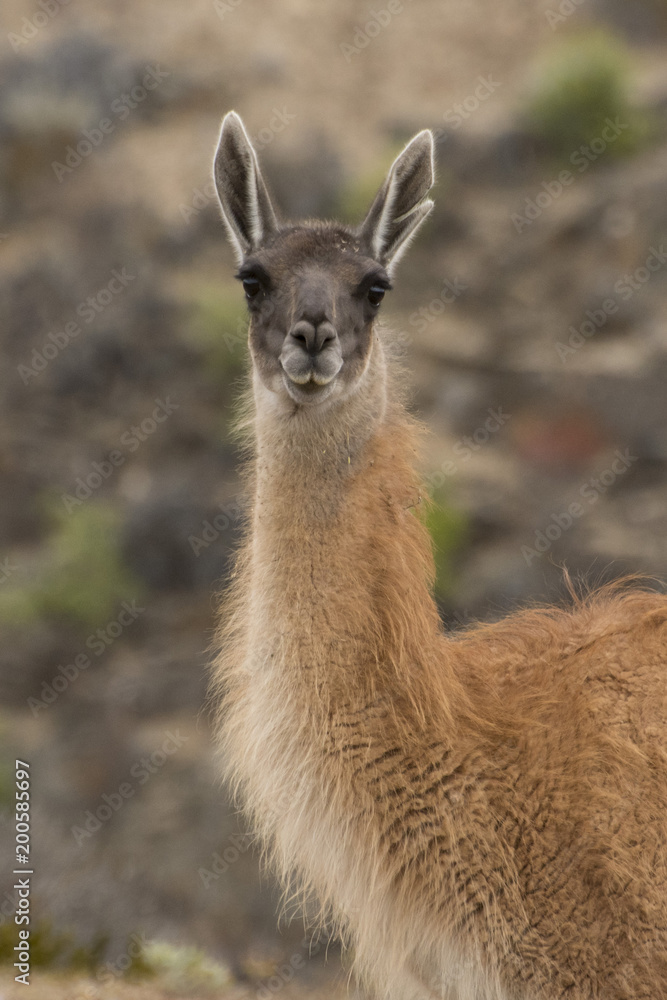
(340, 565)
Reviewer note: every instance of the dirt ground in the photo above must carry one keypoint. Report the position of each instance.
(53, 987)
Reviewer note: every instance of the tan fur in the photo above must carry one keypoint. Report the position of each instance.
(487, 811)
(482, 816)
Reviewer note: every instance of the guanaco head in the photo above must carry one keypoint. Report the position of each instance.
(314, 289)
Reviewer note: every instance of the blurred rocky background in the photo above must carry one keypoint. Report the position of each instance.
(531, 317)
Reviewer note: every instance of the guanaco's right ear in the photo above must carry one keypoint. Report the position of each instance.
(246, 206)
(400, 205)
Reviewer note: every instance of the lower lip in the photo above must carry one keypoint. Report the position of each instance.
(309, 390)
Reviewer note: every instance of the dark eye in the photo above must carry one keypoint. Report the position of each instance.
(376, 294)
(251, 287)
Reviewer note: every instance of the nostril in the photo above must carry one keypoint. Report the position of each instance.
(303, 334)
(312, 338)
(326, 335)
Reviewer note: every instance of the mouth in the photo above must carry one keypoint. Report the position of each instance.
(309, 379)
(310, 376)
(314, 389)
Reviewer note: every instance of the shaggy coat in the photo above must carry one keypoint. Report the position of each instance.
(482, 815)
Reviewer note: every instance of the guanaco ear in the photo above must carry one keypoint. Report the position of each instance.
(246, 206)
(399, 205)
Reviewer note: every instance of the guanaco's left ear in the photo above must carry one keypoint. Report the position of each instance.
(246, 206)
(400, 205)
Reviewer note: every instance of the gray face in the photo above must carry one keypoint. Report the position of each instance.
(313, 295)
(314, 290)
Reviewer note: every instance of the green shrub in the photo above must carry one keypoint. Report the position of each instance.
(218, 325)
(583, 83)
(357, 196)
(448, 530)
(83, 578)
(48, 948)
(59, 951)
(7, 787)
(184, 970)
